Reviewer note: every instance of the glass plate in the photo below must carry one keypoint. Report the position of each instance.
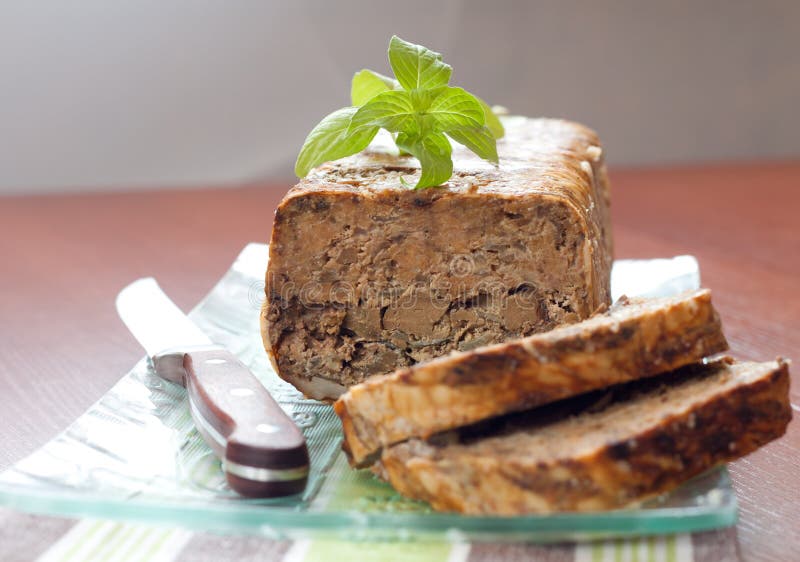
(135, 454)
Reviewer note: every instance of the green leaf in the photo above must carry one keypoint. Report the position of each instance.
(453, 108)
(403, 141)
(414, 66)
(421, 99)
(434, 154)
(492, 120)
(479, 140)
(391, 110)
(367, 84)
(331, 140)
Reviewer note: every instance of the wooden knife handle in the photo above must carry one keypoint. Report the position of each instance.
(264, 453)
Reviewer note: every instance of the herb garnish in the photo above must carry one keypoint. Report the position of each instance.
(419, 107)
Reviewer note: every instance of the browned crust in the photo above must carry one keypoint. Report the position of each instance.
(557, 161)
(639, 339)
(735, 415)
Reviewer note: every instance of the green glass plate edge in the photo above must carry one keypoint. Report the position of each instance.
(355, 525)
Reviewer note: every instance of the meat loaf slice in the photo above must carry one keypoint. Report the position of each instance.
(652, 436)
(637, 338)
(367, 275)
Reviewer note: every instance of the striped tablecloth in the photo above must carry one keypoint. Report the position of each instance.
(25, 537)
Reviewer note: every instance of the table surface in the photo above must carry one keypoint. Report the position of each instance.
(65, 257)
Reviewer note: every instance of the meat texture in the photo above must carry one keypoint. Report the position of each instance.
(367, 275)
(637, 338)
(650, 436)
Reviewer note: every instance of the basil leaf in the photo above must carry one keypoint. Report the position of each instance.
(492, 121)
(367, 84)
(434, 154)
(453, 108)
(414, 66)
(391, 110)
(479, 140)
(331, 140)
(403, 141)
(421, 99)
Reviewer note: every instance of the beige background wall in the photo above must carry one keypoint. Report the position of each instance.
(183, 92)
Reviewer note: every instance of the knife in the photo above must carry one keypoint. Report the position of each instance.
(263, 452)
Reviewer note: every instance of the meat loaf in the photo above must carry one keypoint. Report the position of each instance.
(367, 275)
(650, 437)
(637, 338)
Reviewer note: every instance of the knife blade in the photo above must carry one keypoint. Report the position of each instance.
(263, 452)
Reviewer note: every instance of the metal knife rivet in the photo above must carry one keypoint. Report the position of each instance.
(267, 428)
(214, 361)
(241, 392)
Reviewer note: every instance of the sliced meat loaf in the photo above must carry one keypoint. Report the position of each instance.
(650, 437)
(366, 275)
(637, 338)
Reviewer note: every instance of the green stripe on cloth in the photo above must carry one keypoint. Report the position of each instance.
(636, 545)
(597, 552)
(111, 545)
(329, 550)
(651, 549)
(87, 536)
(134, 544)
(671, 548)
(91, 540)
(149, 553)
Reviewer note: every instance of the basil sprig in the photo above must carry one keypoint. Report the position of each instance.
(418, 106)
